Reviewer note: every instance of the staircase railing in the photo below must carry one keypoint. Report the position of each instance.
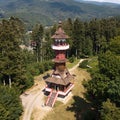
(52, 98)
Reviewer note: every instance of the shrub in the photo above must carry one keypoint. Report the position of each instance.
(51, 65)
(29, 82)
(46, 66)
(72, 59)
(41, 68)
(33, 69)
(83, 64)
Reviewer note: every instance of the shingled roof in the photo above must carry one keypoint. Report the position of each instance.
(60, 34)
(60, 81)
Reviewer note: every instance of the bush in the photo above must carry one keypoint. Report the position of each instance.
(83, 64)
(29, 82)
(33, 69)
(83, 56)
(72, 59)
(109, 111)
(41, 68)
(51, 65)
(46, 66)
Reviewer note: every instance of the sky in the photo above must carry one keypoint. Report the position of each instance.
(111, 1)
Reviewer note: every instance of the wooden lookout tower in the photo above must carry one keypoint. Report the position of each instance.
(60, 81)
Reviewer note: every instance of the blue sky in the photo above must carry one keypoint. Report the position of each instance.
(111, 1)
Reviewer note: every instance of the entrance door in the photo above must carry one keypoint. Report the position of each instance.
(56, 87)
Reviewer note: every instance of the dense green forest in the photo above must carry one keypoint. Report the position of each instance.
(98, 37)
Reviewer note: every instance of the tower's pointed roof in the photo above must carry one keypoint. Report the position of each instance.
(60, 34)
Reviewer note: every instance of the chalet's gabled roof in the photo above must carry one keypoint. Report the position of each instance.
(60, 34)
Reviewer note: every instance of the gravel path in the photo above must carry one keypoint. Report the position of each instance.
(73, 68)
(33, 100)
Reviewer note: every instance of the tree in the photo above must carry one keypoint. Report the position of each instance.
(49, 53)
(108, 28)
(68, 27)
(37, 36)
(115, 45)
(95, 35)
(78, 37)
(88, 46)
(109, 111)
(97, 88)
(8, 47)
(16, 27)
(12, 69)
(109, 65)
(10, 105)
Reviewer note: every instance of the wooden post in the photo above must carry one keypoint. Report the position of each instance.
(10, 81)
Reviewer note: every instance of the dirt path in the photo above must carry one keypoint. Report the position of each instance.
(33, 99)
(73, 68)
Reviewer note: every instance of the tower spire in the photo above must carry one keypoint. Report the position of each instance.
(60, 23)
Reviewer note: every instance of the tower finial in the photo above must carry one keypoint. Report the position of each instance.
(60, 23)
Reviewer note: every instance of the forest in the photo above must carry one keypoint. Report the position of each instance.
(98, 37)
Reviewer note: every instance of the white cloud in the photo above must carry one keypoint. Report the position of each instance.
(111, 1)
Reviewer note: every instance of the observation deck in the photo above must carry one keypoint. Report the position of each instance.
(60, 47)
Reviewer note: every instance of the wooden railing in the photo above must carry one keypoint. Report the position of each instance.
(51, 98)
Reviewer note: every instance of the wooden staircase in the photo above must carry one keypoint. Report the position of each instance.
(51, 99)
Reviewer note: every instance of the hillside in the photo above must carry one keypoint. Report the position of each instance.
(49, 11)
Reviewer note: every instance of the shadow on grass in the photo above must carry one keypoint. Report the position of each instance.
(82, 109)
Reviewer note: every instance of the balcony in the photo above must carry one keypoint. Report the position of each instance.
(65, 92)
(60, 47)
